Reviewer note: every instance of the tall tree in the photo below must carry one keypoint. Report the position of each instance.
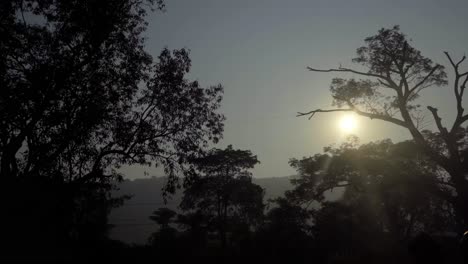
(80, 97)
(223, 189)
(395, 74)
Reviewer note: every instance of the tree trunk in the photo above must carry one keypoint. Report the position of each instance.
(460, 202)
(221, 222)
(461, 206)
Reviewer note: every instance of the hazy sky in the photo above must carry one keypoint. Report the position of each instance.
(259, 50)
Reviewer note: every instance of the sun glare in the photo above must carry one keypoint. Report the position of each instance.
(348, 123)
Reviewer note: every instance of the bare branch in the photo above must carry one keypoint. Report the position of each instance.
(463, 86)
(438, 121)
(459, 91)
(357, 111)
(463, 119)
(341, 69)
(455, 65)
(462, 59)
(312, 113)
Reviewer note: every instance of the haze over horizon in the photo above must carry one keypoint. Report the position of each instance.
(259, 50)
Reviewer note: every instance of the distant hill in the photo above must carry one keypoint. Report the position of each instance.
(131, 223)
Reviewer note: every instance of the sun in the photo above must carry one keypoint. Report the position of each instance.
(348, 123)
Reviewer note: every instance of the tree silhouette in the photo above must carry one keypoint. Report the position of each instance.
(385, 194)
(223, 190)
(165, 238)
(80, 97)
(163, 216)
(397, 184)
(285, 231)
(396, 74)
(195, 226)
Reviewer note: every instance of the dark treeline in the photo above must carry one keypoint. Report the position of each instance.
(80, 97)
(390, 209)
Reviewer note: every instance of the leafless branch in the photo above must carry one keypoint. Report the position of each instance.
(341, 69)
(357, 111)
(463, 86)
(438, 120)
(459, 90)
(312, 113)
(462, 59)
(455, 65)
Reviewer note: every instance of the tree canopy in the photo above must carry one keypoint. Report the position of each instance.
(223, 190)
(394, 77)
(81, 96)
(396, 182)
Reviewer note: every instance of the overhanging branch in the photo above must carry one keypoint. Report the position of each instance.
(341, 69)
(357, 111)
(313, 112)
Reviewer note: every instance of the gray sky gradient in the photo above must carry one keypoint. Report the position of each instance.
(259, 50)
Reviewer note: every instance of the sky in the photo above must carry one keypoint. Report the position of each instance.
(258, 50)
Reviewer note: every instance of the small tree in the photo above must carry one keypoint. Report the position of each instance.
(165, 237)
(395, 75)
(163, 216)
(224, 190)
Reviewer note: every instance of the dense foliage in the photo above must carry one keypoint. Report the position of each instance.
(80, 97)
